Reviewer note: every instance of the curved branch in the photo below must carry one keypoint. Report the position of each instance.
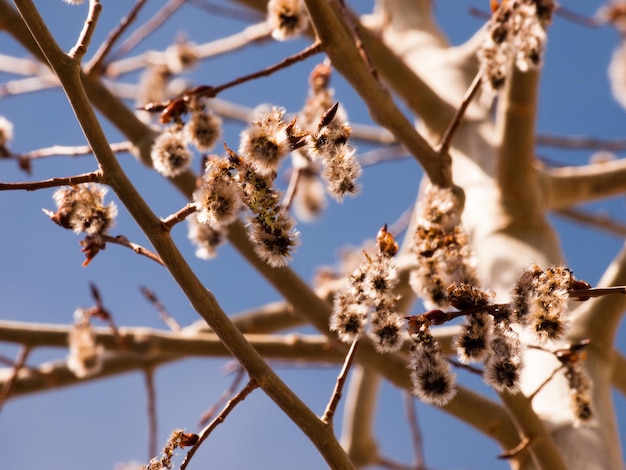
(568, 186)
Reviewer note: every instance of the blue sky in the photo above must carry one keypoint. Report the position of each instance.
(42, 280)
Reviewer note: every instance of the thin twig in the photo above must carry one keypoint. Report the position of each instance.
(386, 154)
(581, 142)
(512, 453)
(292, 188)
(179, 216)
(71, 150)
(148, 27)
(152, 412)
(467, 367)
(19, 362)
(80, 49)
(229, 392)
(545, 382)
(140, 250)
(249, 388)
(448, 135)
(222, 10)
(341, 381)
(93, 177)
(600, 221)
(163, 313)
(584, 294)
(97, 62)
(414, 428)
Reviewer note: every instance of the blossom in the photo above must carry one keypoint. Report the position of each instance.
(219, 198)
(203, 128)
(287, 18)
(170, 155)
(205, 237)
(81, 208)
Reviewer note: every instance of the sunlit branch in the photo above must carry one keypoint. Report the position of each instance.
(179, 216)
(247, 390)
(581, 142)
(96, 63)
(71, 151)
(93, 177)
(80, 48)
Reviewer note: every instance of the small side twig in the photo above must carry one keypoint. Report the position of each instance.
(19, 362)
(448, 135)
(163, 313)
(290, 194)
(179, 216)
(581, 142)
(140, 250)
(80, 49)
(329, 413)
(512, 453)
(152, 412)
(93, 177)
(97, 62)
(414, 428)
(249, 388)
(600, 221)
(229, 392)
(148, 27)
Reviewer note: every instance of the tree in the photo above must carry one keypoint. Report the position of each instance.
(477, 143)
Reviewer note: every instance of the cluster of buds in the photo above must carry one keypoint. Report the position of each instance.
(516, 35)
(287, 18)
(369, 299)
(491, 334)
(170, 152)
(81, 208)
(178, 438)
(443, 254)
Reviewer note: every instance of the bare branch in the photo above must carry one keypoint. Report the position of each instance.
(341, 380)
(247, 390)
(140, 250)
(600, 221)
(93, 177)
(8, 385)
(152, 412)
(179, 216)
(165, 316)
(80, 48)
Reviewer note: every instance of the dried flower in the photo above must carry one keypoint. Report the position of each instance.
(540, 301)
(203, 128)
(443, 254)
(472, 344)
(81, 208)
(504, 364)
(287, 18)
(219, 198)
(205, 237)
(177, 438)
(371, 290)
(180, 56)
(170, 155)
(273, 237)
(516, 34)
(433, 381)
(85, 357)
(265, 142)
(329, 145)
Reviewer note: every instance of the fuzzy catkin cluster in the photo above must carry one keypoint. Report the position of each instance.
(170, 152)
(81, 208)
(443, 255)
(516, 35)
(85, 355)
(287, 18)
(369, 299)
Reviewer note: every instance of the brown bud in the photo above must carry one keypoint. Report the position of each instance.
(386, 244)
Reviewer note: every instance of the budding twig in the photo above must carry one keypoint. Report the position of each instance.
(229, 392)
(249, 388)
(163, 313)
(80, 49)
(140, 250)
(93, 177)
(179, 216)
(341, 381)
(96, 63)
